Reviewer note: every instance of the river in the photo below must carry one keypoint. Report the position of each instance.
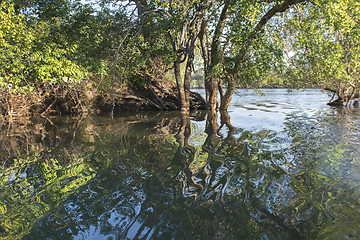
(277, 165)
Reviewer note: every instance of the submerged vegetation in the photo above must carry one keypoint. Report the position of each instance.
(70, 57)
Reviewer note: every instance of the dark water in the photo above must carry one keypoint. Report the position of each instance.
(280, 166)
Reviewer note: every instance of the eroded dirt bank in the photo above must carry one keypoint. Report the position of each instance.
(76, 100)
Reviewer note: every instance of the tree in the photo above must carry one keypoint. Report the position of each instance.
(225, 49)
(238, 28)
(325, 43)
(184, 47)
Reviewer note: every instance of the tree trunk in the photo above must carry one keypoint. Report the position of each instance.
(226, 99)
(179, 83)
(212, 62)
(212, 91)
(187, 79)
(185, 48)
(278, 8)
(204, 43)
(189, 65)
(141, 6)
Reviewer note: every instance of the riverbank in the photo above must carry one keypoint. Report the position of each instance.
(82, 100)
(75, 99)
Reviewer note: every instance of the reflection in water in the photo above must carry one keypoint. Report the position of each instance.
(196, 176)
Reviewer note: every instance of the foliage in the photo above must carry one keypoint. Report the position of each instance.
(324, 44)
(26, 58)
(107, 44)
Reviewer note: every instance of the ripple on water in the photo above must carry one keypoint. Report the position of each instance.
(282, 166)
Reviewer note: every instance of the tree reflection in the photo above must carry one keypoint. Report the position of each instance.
(214, 190)
(225, 184)
(194, 177)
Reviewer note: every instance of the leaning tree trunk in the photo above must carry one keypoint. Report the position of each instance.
(254, 34)
(226, 98)
(183, 85)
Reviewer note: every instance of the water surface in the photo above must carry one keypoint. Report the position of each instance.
(282, 165)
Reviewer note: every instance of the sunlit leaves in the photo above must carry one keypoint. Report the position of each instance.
(326, 43)
(26, 55)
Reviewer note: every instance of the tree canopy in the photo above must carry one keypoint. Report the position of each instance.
(325, 46)
(291, 43)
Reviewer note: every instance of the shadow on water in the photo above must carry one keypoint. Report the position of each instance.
(172, 176)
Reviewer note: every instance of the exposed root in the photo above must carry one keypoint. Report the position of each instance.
(343, 96)
(47, 100)
(65, 99)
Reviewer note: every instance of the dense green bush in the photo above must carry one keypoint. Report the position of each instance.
(27, 58)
